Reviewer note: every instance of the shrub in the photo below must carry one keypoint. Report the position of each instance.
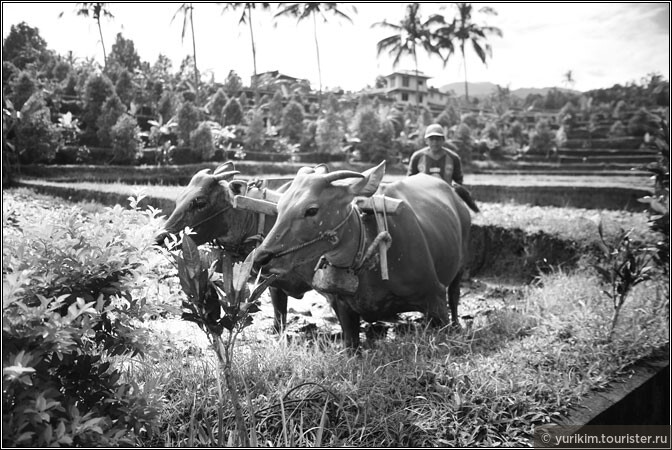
(329, 134)
(292, 121)
(542, 139)
(641, 123)
(97, 90)
(201, 142)
(36, 136)
(617, 129)
(254, 138)
(187, 121)
(112, 110)
(23, 86)
(125, 139)
(73, 287)
(232, 113)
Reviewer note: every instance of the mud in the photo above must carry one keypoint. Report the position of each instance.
(502, 262)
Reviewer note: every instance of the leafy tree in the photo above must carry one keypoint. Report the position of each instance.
(112, 110)
(187, 10)
(242, 98)
(449, 117)
(463, 29)
(96, 91)
(292, 121)
(246, 18)
(125, 136)
(61, 70)
(330, 130)
(96, 10)
(188, 118)
(22, 87)
(232, 112)
(166, 106)
(254, 137)
(23, 46)
(36, 136)
(233, 84)
(202, 142)
(124, 87)
(303, 11)
(216, 105)
(366, 126)
(123, 55)
(275, 108)
(410, 34)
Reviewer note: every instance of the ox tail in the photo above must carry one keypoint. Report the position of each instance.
(465, 195)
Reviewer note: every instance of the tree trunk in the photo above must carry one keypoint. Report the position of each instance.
(100, 30)
(317, 49)
(254, 50)
(193, 43)
(466, 85)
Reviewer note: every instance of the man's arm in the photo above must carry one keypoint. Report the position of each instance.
(458, 177)
(412, 165)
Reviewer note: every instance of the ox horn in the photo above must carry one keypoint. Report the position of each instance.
(226, 166)
(225, 175)
(341, 174)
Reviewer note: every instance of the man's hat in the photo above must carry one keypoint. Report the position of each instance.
(434, 130)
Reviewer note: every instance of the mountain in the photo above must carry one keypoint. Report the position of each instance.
(486, 88)
(475, 89)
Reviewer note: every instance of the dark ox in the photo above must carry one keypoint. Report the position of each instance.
(430, 232)
(206, 206)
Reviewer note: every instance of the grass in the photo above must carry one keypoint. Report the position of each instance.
(489, 384)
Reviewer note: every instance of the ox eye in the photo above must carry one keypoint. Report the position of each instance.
(198, 203)
(311, 212)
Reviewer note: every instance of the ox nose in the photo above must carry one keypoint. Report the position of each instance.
(261, 258)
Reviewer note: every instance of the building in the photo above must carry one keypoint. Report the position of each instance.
(408, 87)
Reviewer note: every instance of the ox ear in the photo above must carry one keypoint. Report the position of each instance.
(368, 185)
(238, 187)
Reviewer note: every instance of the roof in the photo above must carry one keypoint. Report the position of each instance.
(409, 73)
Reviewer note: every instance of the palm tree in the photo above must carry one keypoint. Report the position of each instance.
(246, 17)
(187, 10)
(97, 10)
(463, 29)
(305, 10)
(568, 78)
(410, 33)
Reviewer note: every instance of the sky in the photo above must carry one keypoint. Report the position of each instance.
(602, 44)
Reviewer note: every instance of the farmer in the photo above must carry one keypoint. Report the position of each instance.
(440, 159)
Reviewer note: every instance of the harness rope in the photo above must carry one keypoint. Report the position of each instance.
(329, 235)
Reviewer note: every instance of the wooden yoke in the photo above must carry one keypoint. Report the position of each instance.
(379, 205)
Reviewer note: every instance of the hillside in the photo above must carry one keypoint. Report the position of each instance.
(483, 89)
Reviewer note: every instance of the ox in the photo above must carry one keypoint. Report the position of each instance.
(206, 206)
(430, 235)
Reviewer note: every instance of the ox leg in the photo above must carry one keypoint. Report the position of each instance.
(454, 298)
(349, 321)
(279, 302)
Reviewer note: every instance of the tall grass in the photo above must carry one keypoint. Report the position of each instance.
(488, 384)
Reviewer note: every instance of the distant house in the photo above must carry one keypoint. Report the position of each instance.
(408, 87)
(275, 78)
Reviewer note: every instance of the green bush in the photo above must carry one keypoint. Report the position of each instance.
(112, 110)
(188, 118)
(125, 140)
(202, 142)
(74, 285)
(36, 138)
